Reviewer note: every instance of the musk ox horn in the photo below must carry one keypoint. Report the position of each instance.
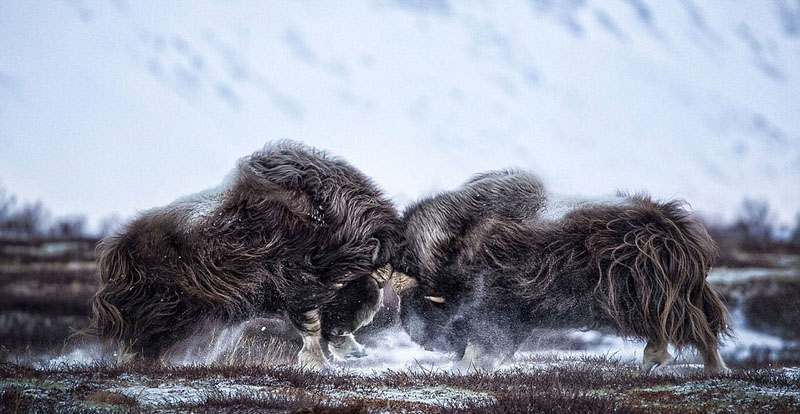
(435, 299)
(382, 275)
(402, 282)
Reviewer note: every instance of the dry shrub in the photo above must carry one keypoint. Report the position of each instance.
(294, 401)
(254, 351)
(525, 401)
(14, 400)
(103, 397)
(257, 342)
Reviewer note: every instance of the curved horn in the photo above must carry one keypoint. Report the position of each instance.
(401, 282)
(382, 275)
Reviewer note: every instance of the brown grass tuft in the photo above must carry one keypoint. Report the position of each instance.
(103, 397)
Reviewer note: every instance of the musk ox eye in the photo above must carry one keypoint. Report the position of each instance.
(376, 250)
(435, 299)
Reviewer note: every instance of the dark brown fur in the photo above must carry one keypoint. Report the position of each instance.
(291, 228)
(638, 267)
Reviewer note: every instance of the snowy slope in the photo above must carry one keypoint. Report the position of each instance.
(115, 106)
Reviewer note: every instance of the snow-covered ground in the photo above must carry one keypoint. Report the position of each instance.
(393, 350)
(131, 105)
(398, 373)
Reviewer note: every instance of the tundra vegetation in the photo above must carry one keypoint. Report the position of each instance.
(47, 280)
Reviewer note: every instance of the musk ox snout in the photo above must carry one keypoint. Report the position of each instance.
(432, 324)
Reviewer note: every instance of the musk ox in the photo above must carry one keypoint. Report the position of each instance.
(485, 264)
(292, 230)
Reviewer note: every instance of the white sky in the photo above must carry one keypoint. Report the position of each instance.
(121, 106)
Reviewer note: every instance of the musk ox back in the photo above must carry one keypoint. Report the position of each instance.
(292, 230)
(627, 263)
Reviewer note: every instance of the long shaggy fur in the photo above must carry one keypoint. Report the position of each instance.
(455, 221)
(630, 264)
(291, 228)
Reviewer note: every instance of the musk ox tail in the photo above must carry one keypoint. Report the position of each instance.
(654, 259)
(128, 310)
(116, 276)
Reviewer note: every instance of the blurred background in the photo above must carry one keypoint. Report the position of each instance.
(112, 107)
(116, 106)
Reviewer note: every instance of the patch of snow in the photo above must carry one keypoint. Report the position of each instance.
(741, 387)
(80, 356)
(201, 205)
(439, 396)
(192, 392)
(396, 351)
(76, 266)
(792, 372)
(738, 347)
(558, 205)
(744, 336)
(744, 339)
(735, 276)
(599, 344)
(56, 248)
(162, 394)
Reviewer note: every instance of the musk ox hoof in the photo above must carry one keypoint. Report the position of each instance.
(476, 359)
(358, 353)
(466, 367)
(313, 361)
(649, 366)
(723, 370)
(345, 347)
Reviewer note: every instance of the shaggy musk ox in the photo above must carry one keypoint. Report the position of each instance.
(292, 230)
(485, 264)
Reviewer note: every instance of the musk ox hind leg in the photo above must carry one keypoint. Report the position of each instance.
(655, 354)
(712, 360)
(309, 326)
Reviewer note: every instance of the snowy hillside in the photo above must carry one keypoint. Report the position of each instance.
(114, 106)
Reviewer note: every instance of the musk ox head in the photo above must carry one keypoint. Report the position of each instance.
(431, 320)
(442, 295)
(447, 316)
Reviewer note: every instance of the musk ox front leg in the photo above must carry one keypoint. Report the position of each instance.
(309, 326)
(353, 306)
(476, 357)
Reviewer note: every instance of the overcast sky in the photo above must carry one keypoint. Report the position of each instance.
(114, 107)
